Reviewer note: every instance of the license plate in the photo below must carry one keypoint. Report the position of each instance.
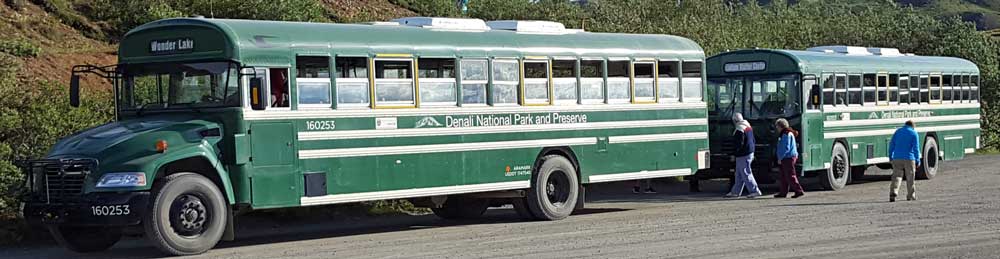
(110, 210)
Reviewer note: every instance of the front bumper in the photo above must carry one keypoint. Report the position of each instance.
(94, 209)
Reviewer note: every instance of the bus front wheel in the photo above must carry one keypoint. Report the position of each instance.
(554, 189)
(929, 161)
(836, 176)
(187, 214)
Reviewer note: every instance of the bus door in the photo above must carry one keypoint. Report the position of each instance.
(812, 123)
(272, 144)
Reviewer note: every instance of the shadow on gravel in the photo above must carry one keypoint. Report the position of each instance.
(825, 204)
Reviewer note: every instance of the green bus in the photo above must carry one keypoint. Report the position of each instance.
(847, 101)
(454, 114)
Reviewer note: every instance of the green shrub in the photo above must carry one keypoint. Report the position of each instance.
(18, 48)
(433, 8)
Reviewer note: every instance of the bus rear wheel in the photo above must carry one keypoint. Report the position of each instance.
(187, 214)
(836, 176)
(554, 189)
(929, 161)
(86, 239)
(458, 207)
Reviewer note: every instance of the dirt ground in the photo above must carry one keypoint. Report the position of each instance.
(957, 216)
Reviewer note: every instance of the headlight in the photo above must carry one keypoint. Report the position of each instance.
(129, 179)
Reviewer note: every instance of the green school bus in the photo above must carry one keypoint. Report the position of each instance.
(847, 102)
(219, 117)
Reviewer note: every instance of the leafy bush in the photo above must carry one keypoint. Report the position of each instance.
(19, 48)
(434, 8)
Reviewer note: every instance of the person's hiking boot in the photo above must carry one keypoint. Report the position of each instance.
(798, 194)
(754, 195)
(911, 198)
(781, 195)
(892, 198)
(635, 189)
(650, 190)
(730, 195)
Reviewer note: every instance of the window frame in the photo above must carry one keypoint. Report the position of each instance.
(525, 80)
(554, 80)
(367, 80)
(882, 86)
(608, 80)
(940, 89)
(460, 82)
(701, 79)
(412, 80)
(851, 80)
(491, 90)
(420, 80)
(663, 83)
(634, 80)
(602, 72)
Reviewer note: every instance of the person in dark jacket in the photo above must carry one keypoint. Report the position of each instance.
(744, 140)
(787, 155)
(904, 151)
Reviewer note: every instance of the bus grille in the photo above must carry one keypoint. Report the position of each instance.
(60, 180)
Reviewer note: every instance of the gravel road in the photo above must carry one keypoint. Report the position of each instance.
(957, 216)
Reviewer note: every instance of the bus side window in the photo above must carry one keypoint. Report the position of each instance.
(506, 80)
(564, 81)
(352, 82)
(312, 81)
(946, 88)
(924, 91)
(691, 86)
(841, 90)
(474, 81)
(644, 85)
(965, 95)
(394, 83)
(828, 90)
(536, 82)
(436, 77)
(592, 81)
(854, 90)
(278, 78)
(892, 90)
(618, 82)
(870, 89)
(813, 99)
(904, 89)
(915, 89)
(668, 80)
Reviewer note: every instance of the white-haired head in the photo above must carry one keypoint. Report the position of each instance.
(737, 118)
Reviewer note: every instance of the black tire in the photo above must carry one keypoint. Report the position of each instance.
(86, 239)
(836, 177)
(554, 189)
(929, 162)
(458, 207)
(186, 216)
(857, 173)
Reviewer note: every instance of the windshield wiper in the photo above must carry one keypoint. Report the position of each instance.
(190, 105)
(142, 107)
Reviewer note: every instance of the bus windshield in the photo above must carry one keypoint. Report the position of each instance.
(180, 85)
(756, 97)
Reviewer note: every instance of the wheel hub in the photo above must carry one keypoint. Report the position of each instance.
(556, 190)
(188, 215)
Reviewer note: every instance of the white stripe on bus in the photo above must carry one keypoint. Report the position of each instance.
(848, 123)
(881, 132)
(416, 132)
(411, 193)
(656, 137)
(970, 150)
(638, 175)
(899, 107)
(455, 111)
(953, 137)
(438, 148)
(497, 145)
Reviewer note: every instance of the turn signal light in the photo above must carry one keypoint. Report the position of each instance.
(161, 146)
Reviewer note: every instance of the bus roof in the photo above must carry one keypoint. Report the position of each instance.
(269, 42)
(814, 62)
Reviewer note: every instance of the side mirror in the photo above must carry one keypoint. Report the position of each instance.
(258, 94)
(74, 91)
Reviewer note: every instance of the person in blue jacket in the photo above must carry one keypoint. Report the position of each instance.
(745, 144)
(904, 152)
(787, 155)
